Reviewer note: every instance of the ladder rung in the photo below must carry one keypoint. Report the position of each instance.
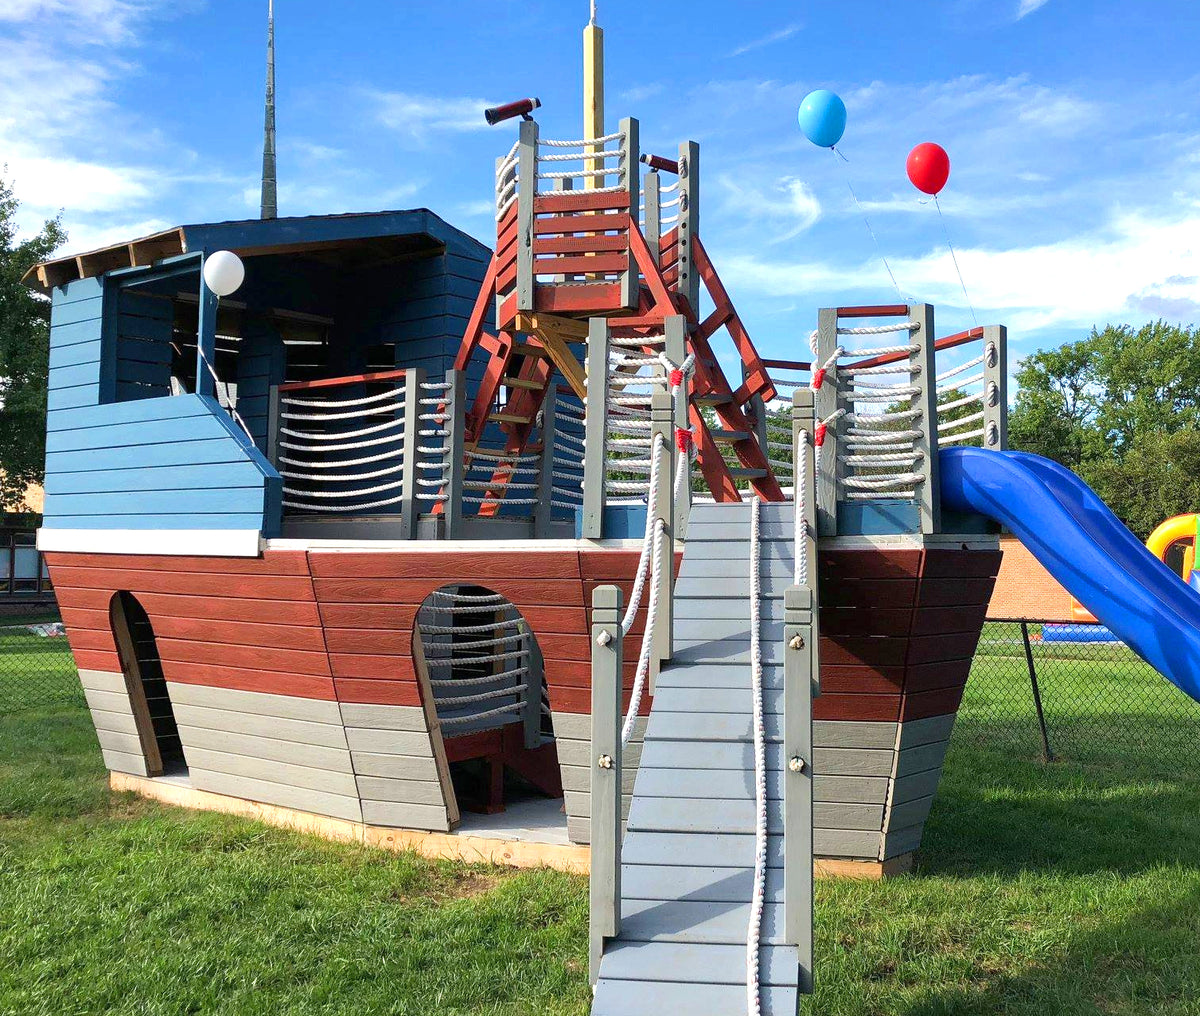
(728, 436)
(714, 399)
(741, 473)
(520, 382)
(507, 418)
(525, 349)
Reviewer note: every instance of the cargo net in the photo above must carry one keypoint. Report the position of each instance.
(341, 448)
(483, 663)
(879, 419)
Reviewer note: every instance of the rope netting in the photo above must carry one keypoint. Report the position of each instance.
(481, 660)
(342, 452)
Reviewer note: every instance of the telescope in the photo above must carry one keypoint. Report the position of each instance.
(661, 162)
(521, 108)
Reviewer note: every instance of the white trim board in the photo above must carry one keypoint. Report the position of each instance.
(172, 542)
(525, 546)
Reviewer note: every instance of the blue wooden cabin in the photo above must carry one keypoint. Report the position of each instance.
(144, 440)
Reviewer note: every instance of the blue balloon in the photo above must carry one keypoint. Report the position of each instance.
(822, 117)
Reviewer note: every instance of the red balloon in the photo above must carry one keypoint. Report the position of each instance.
(928, 167)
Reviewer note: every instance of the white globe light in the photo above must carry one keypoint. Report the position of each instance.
(223, 272)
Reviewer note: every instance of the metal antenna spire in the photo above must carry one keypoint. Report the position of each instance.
(270, 196)
(592, 19)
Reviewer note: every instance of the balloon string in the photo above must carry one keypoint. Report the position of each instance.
(867, 223)
(954, 258)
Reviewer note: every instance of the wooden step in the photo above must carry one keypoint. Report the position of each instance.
(728, 436)
(525, 349)
(507, 418)
(714, 399)
(519, 382)
(742, 473)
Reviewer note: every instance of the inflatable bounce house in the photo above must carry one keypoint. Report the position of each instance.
(354, 516)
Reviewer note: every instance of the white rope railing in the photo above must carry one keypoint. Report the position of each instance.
(758, 894)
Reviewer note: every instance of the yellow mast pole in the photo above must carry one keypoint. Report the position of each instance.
(593, 91)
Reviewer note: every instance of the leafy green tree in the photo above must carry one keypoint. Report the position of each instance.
(24, 352)
(1122, 409)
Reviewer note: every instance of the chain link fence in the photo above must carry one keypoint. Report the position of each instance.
(36, 667)
(1096, 703)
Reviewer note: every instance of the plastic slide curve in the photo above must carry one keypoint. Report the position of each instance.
(1087, 549)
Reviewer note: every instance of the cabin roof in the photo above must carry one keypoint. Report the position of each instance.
(350, 239)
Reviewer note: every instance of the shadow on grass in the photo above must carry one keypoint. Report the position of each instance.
(996, 814)
(1145, 961)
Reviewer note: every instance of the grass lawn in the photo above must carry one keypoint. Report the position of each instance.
(1041, 890)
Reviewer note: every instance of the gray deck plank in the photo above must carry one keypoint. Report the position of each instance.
(711, 727)
(700, 885)
(714, 700)
(711, 964)
(671, 815)
(687, 921)
(636, 998)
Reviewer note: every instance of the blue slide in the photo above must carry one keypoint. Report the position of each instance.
(1087, 549)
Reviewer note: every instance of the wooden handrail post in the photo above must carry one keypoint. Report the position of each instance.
(801, 685)
(923, 373)
(595, 430)
(455, 468)
(527, 152)
(543, 511)
(826, 404)
(675, 330)
(688, 282)
(995, 387)
(607, 658)
(410, 506)
(631, 282)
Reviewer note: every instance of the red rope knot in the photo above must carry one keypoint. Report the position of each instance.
(676, 377)
(818, 378)
(683, 438)
(819, 435)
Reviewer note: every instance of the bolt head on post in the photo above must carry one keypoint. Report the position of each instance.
(796, 764)
(796, 642)
(605, 762)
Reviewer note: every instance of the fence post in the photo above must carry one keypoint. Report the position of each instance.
(923, 373)
(607, 658)
(410, 506)
(675, 331)
(455, 470)
(688, 281)
(662, 421)
(801, 684)
(652, 228)
(631, 280)
(1047, 754)
(527, 151)
(595, 430)
(532, 706)
(826, 404)
(995, 387)
(273, 425)
(543, 511)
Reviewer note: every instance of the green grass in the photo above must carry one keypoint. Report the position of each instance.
(1061, 889)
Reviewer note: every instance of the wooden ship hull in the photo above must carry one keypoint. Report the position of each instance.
(291, 679)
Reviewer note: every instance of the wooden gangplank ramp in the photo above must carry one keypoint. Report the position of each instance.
(688, 852)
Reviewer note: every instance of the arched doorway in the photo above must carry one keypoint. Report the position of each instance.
(480, 667)
(148, 696)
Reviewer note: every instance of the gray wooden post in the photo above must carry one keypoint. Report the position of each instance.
(689, 222)
(995, 387)
(455, 470)
(662, 421)
(206, 337)
(532, 704)
(527, 151)
(410, 506)
(631, 281)
(675, 331)
(543, 511)
(801, 684)
(652, 226)
(923, 368)
(595, 430)
(605, 898)
(826, 403)
(274, 408)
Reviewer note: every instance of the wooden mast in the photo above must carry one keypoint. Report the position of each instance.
(593, 91)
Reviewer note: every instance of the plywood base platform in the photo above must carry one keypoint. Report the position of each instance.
(461, 846)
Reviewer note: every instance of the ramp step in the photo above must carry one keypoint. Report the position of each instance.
(698, 727)
(717, 850)
(674, 815)
(636, 998)
(703, 784)
(701, 885)
(714, 700)
(716, 964)
(688, 921)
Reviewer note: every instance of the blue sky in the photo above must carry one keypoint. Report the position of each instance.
(1073, 127)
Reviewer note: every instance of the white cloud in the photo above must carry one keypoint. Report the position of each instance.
(777, 36)
(99, 22)
(1025, 7)
(788, 204)
(421, 115)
